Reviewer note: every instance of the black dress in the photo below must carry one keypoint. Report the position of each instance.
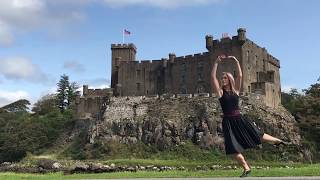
(239, 133)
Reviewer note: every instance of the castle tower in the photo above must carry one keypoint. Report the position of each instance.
(120, 52)
(242, 35)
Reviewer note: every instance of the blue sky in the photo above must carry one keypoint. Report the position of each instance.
(43, 39)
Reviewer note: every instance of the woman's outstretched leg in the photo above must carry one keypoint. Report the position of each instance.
(270, 139)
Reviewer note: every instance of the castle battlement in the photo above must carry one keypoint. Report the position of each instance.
(128, 45)
(143, 62)
(197, 55)
(92, 93)
(180, 58)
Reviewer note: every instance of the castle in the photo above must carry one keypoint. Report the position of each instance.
(191, 74)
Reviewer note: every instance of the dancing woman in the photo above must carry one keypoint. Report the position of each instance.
(239, 133)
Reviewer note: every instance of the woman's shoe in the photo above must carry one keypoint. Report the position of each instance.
(245, 173)
(279, 143)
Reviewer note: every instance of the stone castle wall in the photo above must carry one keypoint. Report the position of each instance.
(192, 73)
(92, 103)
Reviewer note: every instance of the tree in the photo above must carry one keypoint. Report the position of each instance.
(46, 104)
(72, 93)
(62, 90)
(17, 106)
(67, 92)
(314, 90)
(307, 111)
(294, 93)
(290, 100)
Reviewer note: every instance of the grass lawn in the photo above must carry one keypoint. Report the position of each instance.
(297, 170)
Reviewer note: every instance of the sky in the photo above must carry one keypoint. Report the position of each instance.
(40, 40)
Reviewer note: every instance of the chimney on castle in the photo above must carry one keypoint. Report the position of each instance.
(242, 35)
(85, 90)
(209, 42)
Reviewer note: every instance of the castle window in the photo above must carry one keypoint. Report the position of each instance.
(256, 59)
(270, 77)
(200, 77)
(249, 89)
(184, 66)
(183, 78)
(200, 89)
(257, 76)
(138, 73)
(248, 58)
(138, 86)
(200, 65)
(183, 70)
(264, 65)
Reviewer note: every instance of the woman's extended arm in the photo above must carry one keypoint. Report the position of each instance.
(239, 76)
(215, 82)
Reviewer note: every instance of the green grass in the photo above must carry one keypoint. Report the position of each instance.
(189, 164)
(301, 170)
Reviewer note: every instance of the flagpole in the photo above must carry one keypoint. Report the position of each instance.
(122, 36)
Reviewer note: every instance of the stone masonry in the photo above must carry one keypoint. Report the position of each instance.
(190, 74)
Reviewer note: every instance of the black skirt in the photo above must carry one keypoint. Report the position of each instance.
(240, 134)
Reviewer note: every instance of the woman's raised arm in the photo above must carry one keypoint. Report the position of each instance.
(239, 76)
(216, 86)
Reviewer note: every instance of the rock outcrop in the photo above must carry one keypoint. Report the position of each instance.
(166, 121)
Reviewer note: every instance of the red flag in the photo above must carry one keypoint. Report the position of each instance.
(126, 32)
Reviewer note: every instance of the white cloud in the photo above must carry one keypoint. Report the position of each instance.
(7, 97)
(6, 37)
(51, 90)
(19, 68)
(74, 66)
(101, 86)
(54, 15)
(72, 2)
(286, 88)
(22, 12)
(26, 15)
(119, 3)
(95, 82)
(159, 3)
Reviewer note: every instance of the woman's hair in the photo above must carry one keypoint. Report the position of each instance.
(231, 81)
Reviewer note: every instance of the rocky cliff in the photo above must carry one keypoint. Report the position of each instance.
(166, 121)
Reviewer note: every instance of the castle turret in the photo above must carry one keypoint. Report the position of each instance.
(242, 35)
(209, 42)
(85, 90)
(171, 57)
(121, 52)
